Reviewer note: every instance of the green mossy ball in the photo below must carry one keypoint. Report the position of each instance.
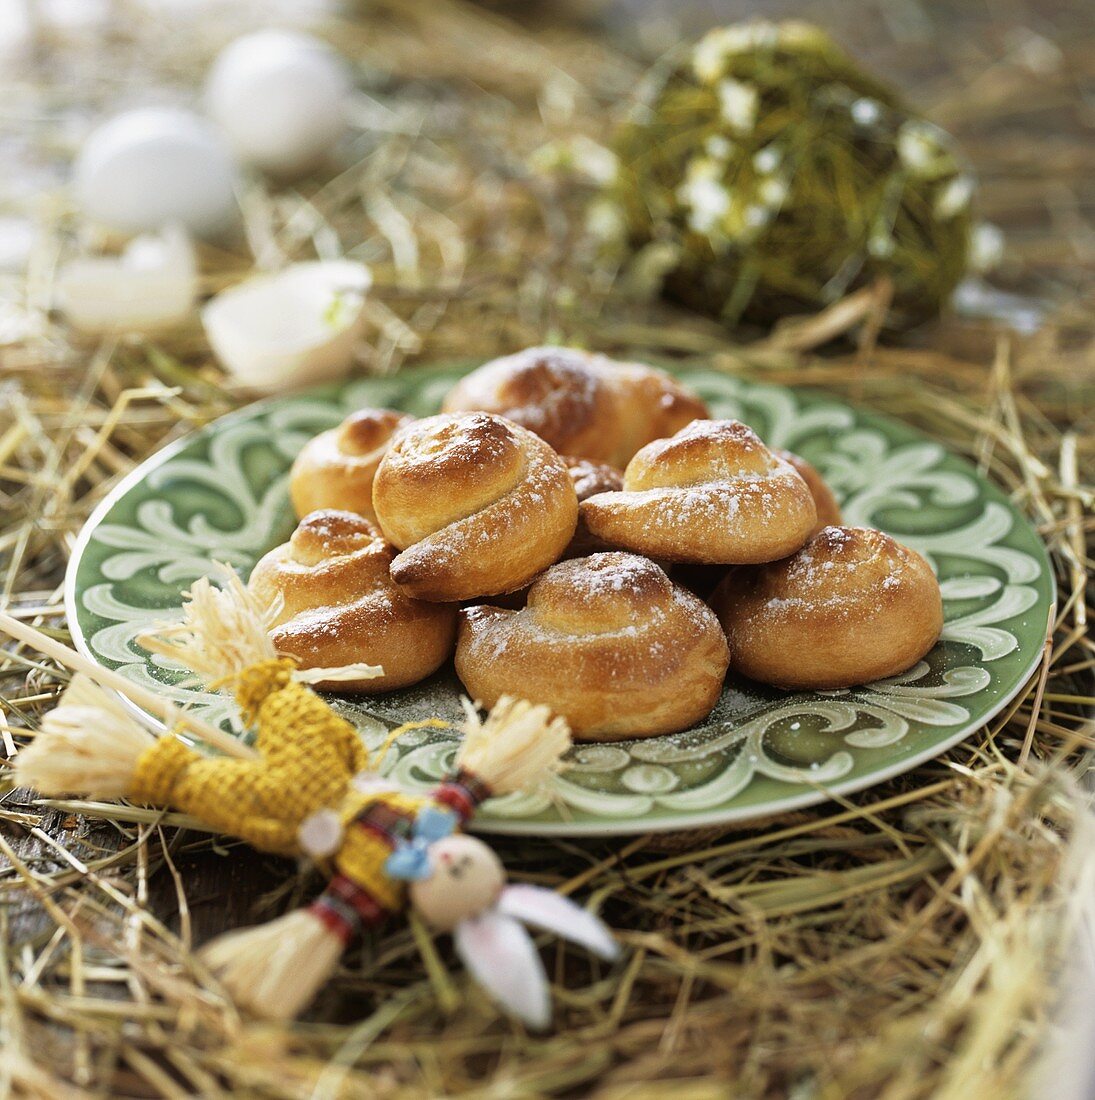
(766, 175)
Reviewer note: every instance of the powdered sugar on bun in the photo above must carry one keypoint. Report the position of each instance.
(711, 494)
(477, 505)
(590, 478)
(608, 641)
(853, 605)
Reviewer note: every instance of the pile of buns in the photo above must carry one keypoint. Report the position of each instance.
(555, 529)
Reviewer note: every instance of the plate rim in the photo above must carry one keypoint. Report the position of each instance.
(678, 822)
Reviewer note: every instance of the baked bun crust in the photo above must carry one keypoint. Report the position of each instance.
(337, 467)
(589, 478)
(477, 505)
(340, 607)
(828, 510)
(853, 605)
(582, 404)
(608, 642)
(712, 494)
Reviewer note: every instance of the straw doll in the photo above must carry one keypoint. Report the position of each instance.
(309, 792)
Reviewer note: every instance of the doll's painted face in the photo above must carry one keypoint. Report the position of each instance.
(465, 880)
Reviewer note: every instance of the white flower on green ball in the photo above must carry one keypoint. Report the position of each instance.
(954, 196)
(754, 218)
(711, 52)
(757, 120)
(768, 159)
(865, 112)
(921, 149)
(719, 147)
(738, 105)
(605, 221)
(773, 192)
(704, 195)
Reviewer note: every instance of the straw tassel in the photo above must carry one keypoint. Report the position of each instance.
(88, 744)
(274, 970)
(225, 631)
(518, 747)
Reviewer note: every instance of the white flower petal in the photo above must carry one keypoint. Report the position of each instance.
(772, 192)
(738, 104)
(768, 159)
(704, 195)
(718, 147)
(865, 112)
(954, 196)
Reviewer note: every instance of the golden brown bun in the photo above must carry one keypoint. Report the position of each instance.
(582, 404)
(828, 511)
(478, 506)
(589, 478)
(853, 605)
(340, 606)
(712, 494)
(337, 467)
(608, 642)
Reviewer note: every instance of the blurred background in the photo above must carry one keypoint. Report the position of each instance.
(456, 108)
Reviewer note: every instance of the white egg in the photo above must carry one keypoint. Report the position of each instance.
(17, 31)
(280, 99)
(146, 168)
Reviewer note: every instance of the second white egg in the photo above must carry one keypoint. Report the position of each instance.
(146, 168)
(280, 99)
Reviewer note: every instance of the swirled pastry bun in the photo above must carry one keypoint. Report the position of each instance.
(337, 605)
(828, 510)
(712, 494)
(608, 642)
(337, 467)
(853, 605)
(477, 505)
(582, 404)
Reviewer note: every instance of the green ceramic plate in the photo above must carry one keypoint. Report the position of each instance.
(221, 494)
